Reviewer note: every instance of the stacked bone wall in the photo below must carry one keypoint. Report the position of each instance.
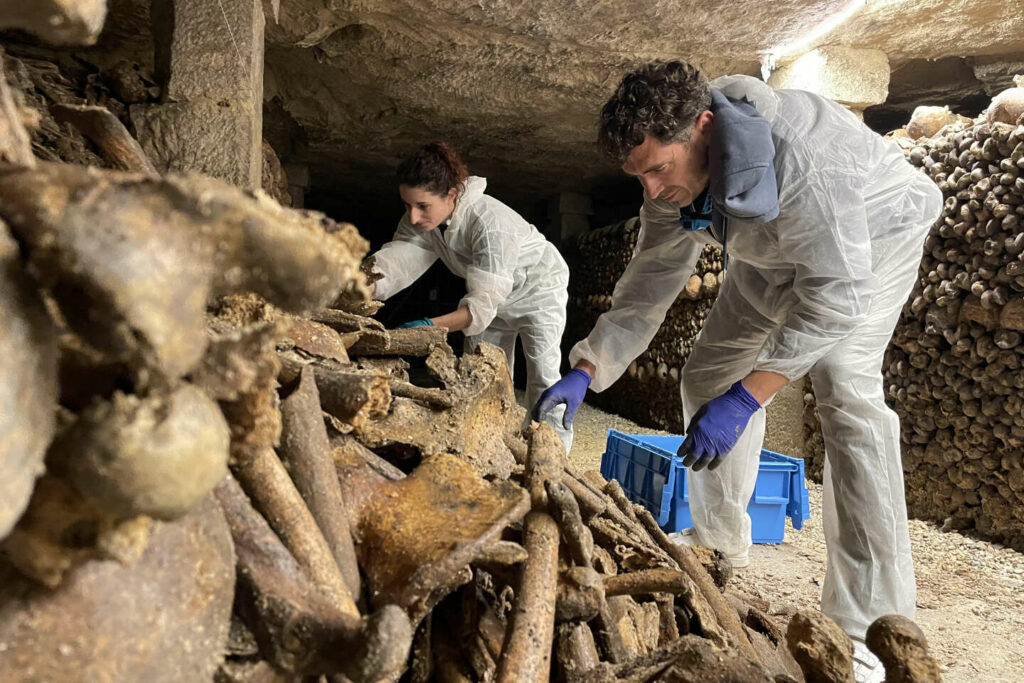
(648, 392)
(953, 370)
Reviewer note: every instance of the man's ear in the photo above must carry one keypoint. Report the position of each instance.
(704, 125)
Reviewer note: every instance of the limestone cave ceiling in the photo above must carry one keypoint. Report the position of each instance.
(516, 85)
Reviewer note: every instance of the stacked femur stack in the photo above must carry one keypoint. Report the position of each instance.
(953, 369)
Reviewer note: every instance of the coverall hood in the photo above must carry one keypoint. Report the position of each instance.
(472, 189)
(741, 160)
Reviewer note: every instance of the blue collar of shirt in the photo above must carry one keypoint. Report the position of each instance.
(698, 215)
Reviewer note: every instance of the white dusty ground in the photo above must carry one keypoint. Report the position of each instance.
(970, 599)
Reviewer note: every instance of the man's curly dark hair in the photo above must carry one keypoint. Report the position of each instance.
(660, 99)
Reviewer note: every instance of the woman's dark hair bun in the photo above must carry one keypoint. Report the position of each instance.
(435, 167)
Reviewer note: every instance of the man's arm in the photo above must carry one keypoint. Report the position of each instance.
(664, 259)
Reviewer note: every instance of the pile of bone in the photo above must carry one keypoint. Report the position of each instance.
(954, 368)
(599, 260)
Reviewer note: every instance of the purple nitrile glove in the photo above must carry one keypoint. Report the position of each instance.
(713, 431)
(569, 390)
(420, 322)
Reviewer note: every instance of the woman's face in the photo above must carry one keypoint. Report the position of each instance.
(426, 209)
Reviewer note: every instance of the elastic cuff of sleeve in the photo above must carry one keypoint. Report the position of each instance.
(584, 373)
(744, 395)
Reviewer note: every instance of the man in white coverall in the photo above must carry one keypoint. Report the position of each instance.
(822, 223)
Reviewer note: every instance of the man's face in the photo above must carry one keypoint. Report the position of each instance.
(676, 172)
(426, 209)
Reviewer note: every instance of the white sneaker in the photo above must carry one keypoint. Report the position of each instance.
(689, 537)
(866, 667)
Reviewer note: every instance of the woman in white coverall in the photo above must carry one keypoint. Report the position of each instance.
(516, 281)
(822, 223)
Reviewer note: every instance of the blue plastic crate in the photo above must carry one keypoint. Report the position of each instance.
(652, 475)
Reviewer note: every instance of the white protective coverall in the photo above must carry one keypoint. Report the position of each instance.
(516, 283)
(817, 289)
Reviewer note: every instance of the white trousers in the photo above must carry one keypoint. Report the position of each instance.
(541, 335)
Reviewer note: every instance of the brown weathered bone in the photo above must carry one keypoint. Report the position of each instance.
(575, 650)
(632, 549)
(614, 489)
(417, 535)
(272, 491)
(608, 636)
(484, 412)
(312, 337)
(545, 462)
(234, 360)
(668, 628)
(15, 144)
(684, 557)
(476, 651)
(621, 609)
(591, 503)
(688, 659)
(901, 646)
(501, 553)
(822, 649)
(649, 582)
(133, 261)
(155, 455)
(106, 131)
(306, 453)
(28, 392)
(346, 322)
(393, 367)
(145, 621)
(436, 398)
(527, 652)
(575, 533)
(413, 341)
(580, 595)
(347, 450)
(297, 627)
(677, 583)
(352, 398)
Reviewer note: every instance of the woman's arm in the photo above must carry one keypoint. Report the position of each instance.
(456, 321)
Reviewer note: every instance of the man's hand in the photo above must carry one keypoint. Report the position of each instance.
(715, 428)
(569, 390)
(421, 322)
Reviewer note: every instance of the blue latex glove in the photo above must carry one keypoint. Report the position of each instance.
(569, 390)
(421, 322)
(713, 431)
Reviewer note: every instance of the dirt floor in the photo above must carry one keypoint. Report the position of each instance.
(970, 595)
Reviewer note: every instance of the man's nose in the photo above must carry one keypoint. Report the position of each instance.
(652, 187)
